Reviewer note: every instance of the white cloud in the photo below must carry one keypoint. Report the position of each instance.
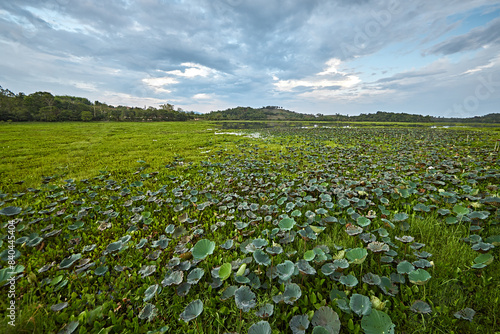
(193, 70)
(330, 77)
(202, 96)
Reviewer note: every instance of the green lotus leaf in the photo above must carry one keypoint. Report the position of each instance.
(419, 276)
(151, 292)
(147, 270)
(225, 271)
(349, 280)
(286, 224)
(467, 314)
(405, 267)
(309, 255)
(482, 261)
(195, 275)
(101, 270)
(327, 318)
(228, 244)
(259, 243)
(299, 324)
(371, 279)
(377, 247)
(10, 211)
(262, 327)
(173, 278)
(285, 270)
(356, 255)
(202, 249)
(494, 240)
(377, 322)
(451, 220)
(69, 328)
(399, 217)
(460, 210)
(274, 250)
(34, 242)
(114, 246)
(320, 330)
(265, 311)
(421, 307)
(244, 298)
(192, 311)
(241, 270)
(228, 292)
(363, 221)
(353, 230)
(59, 307)
(305, 268)
(261, 257)
(149, 311)
(359, 304)
(170, 229)
(292, 293)
(69, 261)
(183, 289)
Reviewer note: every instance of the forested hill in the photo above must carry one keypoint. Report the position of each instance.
(271, 113)
(45, 107)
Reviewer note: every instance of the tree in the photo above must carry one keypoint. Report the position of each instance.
(86, 116)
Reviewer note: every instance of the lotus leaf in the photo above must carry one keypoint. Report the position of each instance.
(173, 278)
(305, 268)
(202, 249)
(285, 270)
(150, 292)
(356, 255)
(371, 279)
(460, 210)
(114, 246)
(292, 293)
(262, 327)
(327, 318)
(265, 311)
(195, 275)
(148, 312)
(192, 311)
(399, 217)
(320, 330)
(183, 289)
(299, 324)
(377, 322)
(421, 307)
(419, 276)
(286, 224)
(405, 267)
(244, 298)
(147, 270)
(467, 314)
(378, 247)
(59, 307)
(228, 244)
(228, 292)
(101, 270)
(349, 280)
(360, 304)
(10, 211)
(225, 271)
(69, 261)
(482, 261)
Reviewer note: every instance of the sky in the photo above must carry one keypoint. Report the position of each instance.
(438, 58)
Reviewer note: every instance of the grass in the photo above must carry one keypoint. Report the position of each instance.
(249, 170)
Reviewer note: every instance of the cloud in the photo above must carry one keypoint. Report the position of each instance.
(480, 37)
(203, 54)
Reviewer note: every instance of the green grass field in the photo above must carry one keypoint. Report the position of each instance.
(177, 228)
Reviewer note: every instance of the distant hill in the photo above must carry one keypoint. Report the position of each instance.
(268, 113)
(275, 113)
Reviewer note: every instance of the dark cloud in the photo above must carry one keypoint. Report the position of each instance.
(473, 40)
(147, 48)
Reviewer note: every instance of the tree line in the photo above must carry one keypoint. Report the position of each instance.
(45, 107)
